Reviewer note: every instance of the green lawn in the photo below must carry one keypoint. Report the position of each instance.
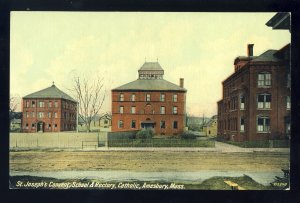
(262, 144)
(161, 143)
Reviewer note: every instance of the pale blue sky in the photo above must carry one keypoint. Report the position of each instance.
(200, 47)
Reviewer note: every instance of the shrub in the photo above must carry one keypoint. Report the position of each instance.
(145, 134)
(188, 135)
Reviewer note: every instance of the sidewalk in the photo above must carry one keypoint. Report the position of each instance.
(219, 147)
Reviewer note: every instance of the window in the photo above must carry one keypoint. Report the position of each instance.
(162, 110)
(32, 126)
(148, 97)
(55, 104)
(263, 124)
(162, 124)
(32, 103)
(26, 126)
(174, 97)
(41, 115)
(55, 115)
(174, 109)
(55, 126)
(65, 115)
(162, 97)
(242, 126)
(49, 126)
(105, 121)
(175, 125)
(242, 102)
(133, 109)
(120, 124)
(27, 104)
(264, 79)
(121, 98)
(133, 124)
(288, 102)
(50, 104)
(32, 114)
(133, 97)
(121, 109)
(27, 114)
(49, 114)
(41, 104)
(264, 101)
(289, 80)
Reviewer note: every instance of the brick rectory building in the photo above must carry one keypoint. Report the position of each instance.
(49, 110)
(150, 102)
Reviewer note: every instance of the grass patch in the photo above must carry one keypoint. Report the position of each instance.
(161, 143)
(261, 144)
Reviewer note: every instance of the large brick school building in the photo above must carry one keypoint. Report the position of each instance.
(150, 102)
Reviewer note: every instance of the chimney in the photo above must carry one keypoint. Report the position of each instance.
(250, 49)
(181, 82)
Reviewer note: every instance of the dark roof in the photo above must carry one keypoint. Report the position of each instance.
(154, 85)
(151, 66)
(280, 21)
(50, 92)
(267, 56)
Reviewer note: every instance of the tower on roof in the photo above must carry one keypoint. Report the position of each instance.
(151, 70)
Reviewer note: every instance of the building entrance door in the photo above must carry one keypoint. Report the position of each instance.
(40, 127)
(148, 124)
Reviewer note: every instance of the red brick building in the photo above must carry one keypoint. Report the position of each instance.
(149, 102)
(256, 97)
(49, 110)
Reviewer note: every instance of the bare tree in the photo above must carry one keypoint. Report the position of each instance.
(13, 105)
(90, 95)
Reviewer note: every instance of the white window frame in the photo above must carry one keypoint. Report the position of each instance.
(121, 109)
(148, 97)
(242, 103)
(175, 97)
(133, 97)
(264, 104)
(264, 79)
(264, 128)
(175, 110)
(133, 110)
(162, 110)
(288, 102)
(121, 97)
(162, 97)
(242, 125)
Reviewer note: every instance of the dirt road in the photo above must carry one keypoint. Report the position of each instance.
(147, 161)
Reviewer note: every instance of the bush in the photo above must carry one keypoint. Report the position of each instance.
(194, 127)
(145, 134)
(188, 135)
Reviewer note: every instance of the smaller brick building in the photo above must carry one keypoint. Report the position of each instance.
(48, 110)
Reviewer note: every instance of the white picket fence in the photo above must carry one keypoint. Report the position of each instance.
(54, 140)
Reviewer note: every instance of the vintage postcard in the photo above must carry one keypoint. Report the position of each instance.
(150, 100)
